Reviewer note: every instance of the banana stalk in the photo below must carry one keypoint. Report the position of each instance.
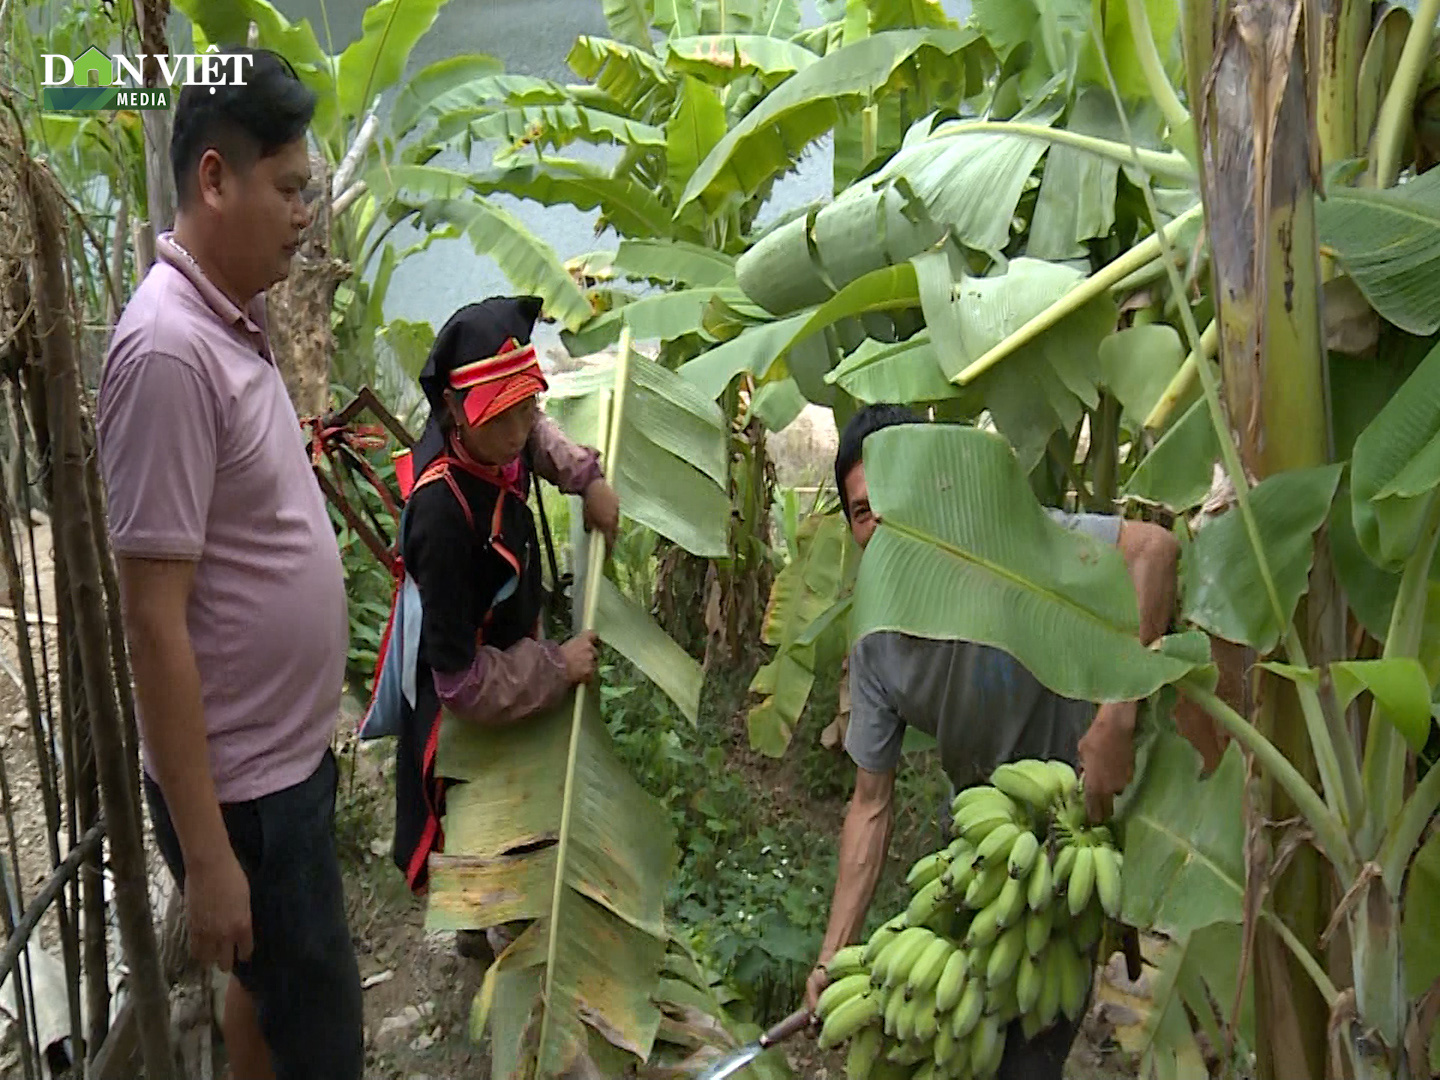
(611, 425)
(1266, 270)
(1395, 120)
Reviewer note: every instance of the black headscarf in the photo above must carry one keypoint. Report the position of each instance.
(475, 332)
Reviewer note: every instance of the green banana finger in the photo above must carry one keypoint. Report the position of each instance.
(840, 991)
(864, 1052)
(848, 1018)
(1082, 880)
(1006, 954)
(1039, 889)
(1107, 879)
(986, 886)
(952, 981)
(968, 1011)
(847, 961)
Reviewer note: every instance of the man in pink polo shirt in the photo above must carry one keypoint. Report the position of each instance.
(233, 591)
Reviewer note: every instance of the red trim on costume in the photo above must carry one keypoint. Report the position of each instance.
(484, 403)
(512, 359)
(405, 473)
(498, 382)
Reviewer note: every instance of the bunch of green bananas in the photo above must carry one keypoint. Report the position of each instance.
(1001, 927)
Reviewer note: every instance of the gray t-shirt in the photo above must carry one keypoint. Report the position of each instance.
(980, 704)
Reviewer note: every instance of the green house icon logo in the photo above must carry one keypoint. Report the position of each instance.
(93, 68)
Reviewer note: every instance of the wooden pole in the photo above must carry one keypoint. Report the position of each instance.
(74, 537)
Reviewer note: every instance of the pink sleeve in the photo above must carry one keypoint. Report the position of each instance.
(501, 687)
(157, 428)
(570, 467)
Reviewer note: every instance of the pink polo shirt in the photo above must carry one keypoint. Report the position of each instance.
(204, 460)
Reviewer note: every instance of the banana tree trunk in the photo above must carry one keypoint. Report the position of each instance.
(298, 310)
(1247, 68)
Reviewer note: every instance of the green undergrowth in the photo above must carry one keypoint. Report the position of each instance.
(758, 837)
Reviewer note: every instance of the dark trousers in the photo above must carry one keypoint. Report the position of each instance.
(302, 976)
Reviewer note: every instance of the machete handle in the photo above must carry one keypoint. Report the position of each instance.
(792, 1025)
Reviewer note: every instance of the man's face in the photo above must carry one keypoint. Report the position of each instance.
(263, 212)
(857, 494)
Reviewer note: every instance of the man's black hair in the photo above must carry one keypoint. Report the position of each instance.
(858, 428)
(243, 123)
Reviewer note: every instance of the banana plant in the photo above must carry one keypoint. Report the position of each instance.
(804, 622)
(1356, 719)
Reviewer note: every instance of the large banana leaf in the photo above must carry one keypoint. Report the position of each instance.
(1112, 17)
(1396, 468)
(500, 864)
(675, 18)
(1185, 878)
(552, 125)
(373, 63)
(453, 108)
(673, 472)
(547, 825)
(754, 351)
(1221, 585)
(626, 73)
(627, 206)
(1077, 194)
(227, 22)
(964, 551)
(906, 373)
(1371, 591)
(719, 59)
(434, 87)
(1388, 240)
(439, 197)
(531, 264)
(907, 15)
(660, 317)
(803, 262)
(1184, 863)
(967, 185)
(697, 124)
(776, 18)
(1179, 469)
(1043, 386)
(1137, 365)
(628, 22)
(674, 261)
(804, 107)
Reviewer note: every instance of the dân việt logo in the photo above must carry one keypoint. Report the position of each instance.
(93, 81)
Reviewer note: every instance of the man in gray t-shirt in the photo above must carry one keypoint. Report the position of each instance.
(979, 703)
(983, 708)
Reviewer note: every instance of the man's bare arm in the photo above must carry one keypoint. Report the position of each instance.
(167, 684)
(864, 842)
(1107, 751)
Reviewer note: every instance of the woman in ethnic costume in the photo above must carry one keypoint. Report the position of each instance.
(468, 540)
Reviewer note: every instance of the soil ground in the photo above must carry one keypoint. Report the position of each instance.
(418, 989)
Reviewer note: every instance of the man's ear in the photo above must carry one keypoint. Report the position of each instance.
(210, 177)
